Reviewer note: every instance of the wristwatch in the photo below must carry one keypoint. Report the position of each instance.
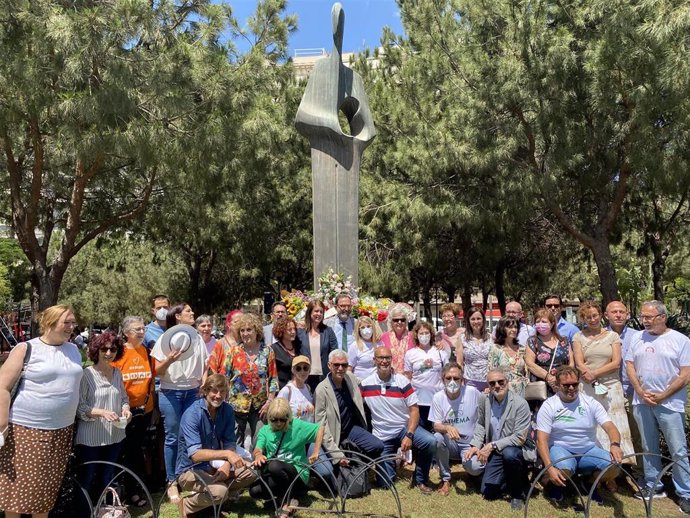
(615, 444)
(409, 435)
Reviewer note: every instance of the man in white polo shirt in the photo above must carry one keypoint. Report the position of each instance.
(658, 365)
(454, 414)
(394, 419)
(567, 426)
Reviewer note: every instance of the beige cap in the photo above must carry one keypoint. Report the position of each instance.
(301, 359)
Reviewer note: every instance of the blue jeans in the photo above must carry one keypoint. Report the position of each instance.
(365, 441)
(323, 466)
(447, 449)
(594, 459)
(651, 419)
(95, 477)
(425, 446)
(172, 404)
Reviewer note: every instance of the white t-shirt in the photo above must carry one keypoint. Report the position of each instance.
(657, 360)
(461, 412)
(389, 402)
(48, 393)
(301, 401)
(362, 362)
(426, 367)
(572, 426)
(183, 374)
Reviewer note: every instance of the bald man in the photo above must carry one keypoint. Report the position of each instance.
(514, 310)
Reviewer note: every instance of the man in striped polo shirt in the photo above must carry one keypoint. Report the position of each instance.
(394, 419)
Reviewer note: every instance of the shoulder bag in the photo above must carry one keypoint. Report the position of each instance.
(536, 390)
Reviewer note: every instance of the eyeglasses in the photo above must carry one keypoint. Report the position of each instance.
(552, 306)
(452, 378)
(399, 320)
(570, 385)
(108, 349)
(278, 420)
(384, 358)
(339, 365)
(644, 318)
(70, 323)
(301, 368)
(500, 383)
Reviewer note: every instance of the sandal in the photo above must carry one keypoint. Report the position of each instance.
(173, 493)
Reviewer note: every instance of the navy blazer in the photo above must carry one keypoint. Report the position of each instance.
(328, 343)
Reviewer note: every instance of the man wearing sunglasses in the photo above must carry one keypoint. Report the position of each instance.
(340, 411)
(566, 426)
(554, 304)
(501, 441)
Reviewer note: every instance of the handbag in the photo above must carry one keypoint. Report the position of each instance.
(536, 390)
(114, 510)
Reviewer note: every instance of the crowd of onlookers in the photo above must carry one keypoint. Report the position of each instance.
(280, 408)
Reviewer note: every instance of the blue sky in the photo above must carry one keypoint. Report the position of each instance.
(364, 22)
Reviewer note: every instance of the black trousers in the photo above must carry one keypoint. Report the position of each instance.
(494, 480)
(278, 475)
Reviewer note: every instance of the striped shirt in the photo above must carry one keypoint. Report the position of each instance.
(389, 402)
(96, 391)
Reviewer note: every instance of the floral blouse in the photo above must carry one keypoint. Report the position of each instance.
(515, 368)
(543, 354)
(476, 357)
(250, 381)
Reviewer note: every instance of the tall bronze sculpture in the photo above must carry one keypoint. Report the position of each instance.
(335, 155)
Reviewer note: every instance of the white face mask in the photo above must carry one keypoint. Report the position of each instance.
(366, 332)
(161, 314)
(424, 339)
(453, 387)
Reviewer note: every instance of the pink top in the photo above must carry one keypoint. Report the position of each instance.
(398, 348)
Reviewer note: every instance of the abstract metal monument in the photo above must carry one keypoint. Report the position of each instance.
(335, 155)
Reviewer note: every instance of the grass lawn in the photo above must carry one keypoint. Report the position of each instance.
(463, 501)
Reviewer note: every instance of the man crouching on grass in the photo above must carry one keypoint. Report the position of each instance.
(566, 426)
(207, 438)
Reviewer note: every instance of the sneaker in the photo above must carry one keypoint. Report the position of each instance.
(516, 504)
(684, 504)
(647, 493)
(554, 493)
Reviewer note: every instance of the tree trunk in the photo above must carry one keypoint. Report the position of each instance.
(426, 301)
(660, 254)
(450, 290)
(466, 297)
(500, 286)
(606, 269)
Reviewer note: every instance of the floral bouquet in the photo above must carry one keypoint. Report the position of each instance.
(372, 307)
(295, 302)
(331, 284)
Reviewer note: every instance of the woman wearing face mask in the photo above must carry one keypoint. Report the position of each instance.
(547, 350)
(597, 353)
(398, 339)
(423, 366)
(476, 344)
(508, 354)
(361, 356)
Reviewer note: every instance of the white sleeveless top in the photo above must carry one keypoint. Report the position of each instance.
(48, 394)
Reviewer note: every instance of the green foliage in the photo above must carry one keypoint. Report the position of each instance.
(115, 277)
(17, 269)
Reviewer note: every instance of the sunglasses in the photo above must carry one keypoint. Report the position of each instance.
(339, 365)
(399, 320)
(452, 378)
(551, 306)
(500, 383)
(277, 420)
(570, 385)
(301, 368)
(108, 349)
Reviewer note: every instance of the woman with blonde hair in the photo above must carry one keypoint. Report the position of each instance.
(36, 427)
(281, 451)
(251, 368)
(597, 353)
(361, 357)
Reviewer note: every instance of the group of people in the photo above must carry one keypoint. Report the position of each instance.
(270, 407)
